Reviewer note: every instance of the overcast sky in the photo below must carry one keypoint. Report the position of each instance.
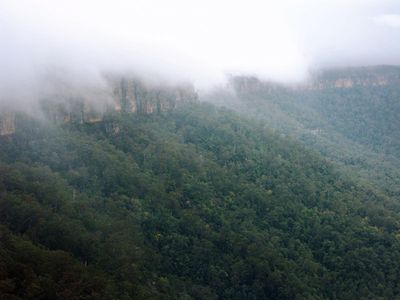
(198, 40)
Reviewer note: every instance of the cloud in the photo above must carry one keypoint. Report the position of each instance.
(196, 39)
(199, 41)
(391, 20)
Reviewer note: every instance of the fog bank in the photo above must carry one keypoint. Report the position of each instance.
(177, 40)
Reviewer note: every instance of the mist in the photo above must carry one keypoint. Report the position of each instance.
(48, 44)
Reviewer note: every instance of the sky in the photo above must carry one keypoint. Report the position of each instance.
(188, 40)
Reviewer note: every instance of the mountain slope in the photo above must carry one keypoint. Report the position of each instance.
(197, 203)
(350, 116)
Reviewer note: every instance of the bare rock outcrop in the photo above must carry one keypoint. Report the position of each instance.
(127, 95)
(345, 78)
(136, 96)
(355, 77)
(7, 123)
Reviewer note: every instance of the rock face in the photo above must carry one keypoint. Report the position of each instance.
(127, 95)
(7, 123)
(354, 77)
(248, 84)
(74, 110)
(327, 79)
(135, 96)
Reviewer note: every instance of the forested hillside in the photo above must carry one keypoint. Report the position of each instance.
(350, 116)
(196, 203)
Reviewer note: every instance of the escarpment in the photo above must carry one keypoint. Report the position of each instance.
(355, 77)
(7, 123)
(120, 95)
(345, 78)
(136, 96)
(125, 96)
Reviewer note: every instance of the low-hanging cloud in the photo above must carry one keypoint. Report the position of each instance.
(198, 41)
(391, 20)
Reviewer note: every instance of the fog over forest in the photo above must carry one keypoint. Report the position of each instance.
(199, 150)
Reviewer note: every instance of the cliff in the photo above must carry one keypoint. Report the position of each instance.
(121, 94)
(7, 123)
(135, 96)
(80, 110)
(354, 77)
(128, 95)
(343, 78)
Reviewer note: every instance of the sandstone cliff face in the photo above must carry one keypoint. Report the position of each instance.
(74, 110)
(135, 96)
(126, 95)
(7, 123)
(243, 84)
(355, 77)
(349, 82)
(327, 79)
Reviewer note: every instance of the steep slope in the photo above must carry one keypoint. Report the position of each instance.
(127, 94)
(348, 115)
(367, 111)
(196, 203)
(7, 123)
(31, 272)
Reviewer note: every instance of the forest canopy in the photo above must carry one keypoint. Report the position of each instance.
(197, 203)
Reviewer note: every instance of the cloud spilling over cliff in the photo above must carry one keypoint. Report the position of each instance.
(177, 40)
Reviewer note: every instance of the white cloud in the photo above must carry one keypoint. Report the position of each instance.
(189, 39)
(391, 20)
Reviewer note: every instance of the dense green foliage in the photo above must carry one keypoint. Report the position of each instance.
(31, 272)
(367, 115)
(198, 203)
(355, 127)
